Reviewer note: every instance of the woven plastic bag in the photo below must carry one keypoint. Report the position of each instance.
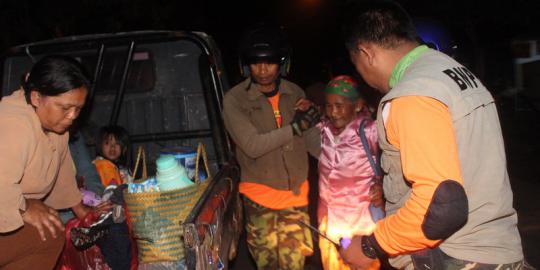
(76, 259)
(157, 217)
(141, 161)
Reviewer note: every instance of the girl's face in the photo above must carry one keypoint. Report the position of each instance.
(111, 149)
(340, 110)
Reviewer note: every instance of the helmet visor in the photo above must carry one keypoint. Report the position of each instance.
(263, 53)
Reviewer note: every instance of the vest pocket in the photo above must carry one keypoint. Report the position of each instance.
(394, 188)
(394, 185)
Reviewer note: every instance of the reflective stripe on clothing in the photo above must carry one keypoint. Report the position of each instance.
(274, 101)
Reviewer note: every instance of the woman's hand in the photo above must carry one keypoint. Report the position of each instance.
(103, 207)
(302, 104)
(376, 194)
(80, 210)
(42, 218)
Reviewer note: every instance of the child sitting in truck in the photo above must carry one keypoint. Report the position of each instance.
(112, 145)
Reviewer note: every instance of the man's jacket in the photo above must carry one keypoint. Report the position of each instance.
(267, 154)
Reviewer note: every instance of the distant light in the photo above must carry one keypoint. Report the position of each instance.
(434, 34)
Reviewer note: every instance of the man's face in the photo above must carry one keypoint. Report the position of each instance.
(57, 113)
(265, 75)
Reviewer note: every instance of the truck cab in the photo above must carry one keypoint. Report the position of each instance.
(166, 89)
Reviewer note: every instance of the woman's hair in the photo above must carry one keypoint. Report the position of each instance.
(53, 75)
(121, 136)
(384, 23)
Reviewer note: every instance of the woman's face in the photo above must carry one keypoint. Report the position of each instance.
(340, 110)
(111, 149)
(57, 113)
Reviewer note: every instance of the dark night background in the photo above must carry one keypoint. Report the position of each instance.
(482, 29)
(485, 33)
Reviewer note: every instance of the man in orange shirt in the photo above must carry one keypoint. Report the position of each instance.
(271, 140)
(448, 196)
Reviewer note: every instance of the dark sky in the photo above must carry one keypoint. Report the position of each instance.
(312, 25)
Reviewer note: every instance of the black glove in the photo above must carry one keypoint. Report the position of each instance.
(304, 120)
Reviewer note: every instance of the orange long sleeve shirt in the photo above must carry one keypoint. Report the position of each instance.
(421, 128)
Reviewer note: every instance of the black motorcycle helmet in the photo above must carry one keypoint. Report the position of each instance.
(264, 43)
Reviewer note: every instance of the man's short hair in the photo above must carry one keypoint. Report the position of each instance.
(384, 23)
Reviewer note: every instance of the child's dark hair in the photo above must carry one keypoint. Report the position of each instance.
(122, 137)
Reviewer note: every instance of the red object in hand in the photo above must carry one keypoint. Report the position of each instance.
(88, 220)
(74, 259)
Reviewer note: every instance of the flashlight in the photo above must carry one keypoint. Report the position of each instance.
(345, 242)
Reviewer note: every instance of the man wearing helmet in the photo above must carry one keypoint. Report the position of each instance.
(272, 140)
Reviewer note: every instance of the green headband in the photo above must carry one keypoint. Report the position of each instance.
(344, 86)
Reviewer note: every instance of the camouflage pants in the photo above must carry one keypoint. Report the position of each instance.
(437, 259)
(456, 264)
(275, 238)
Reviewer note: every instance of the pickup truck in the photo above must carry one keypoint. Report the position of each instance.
(166, 89)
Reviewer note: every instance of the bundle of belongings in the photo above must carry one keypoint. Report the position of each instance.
(85, 236)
